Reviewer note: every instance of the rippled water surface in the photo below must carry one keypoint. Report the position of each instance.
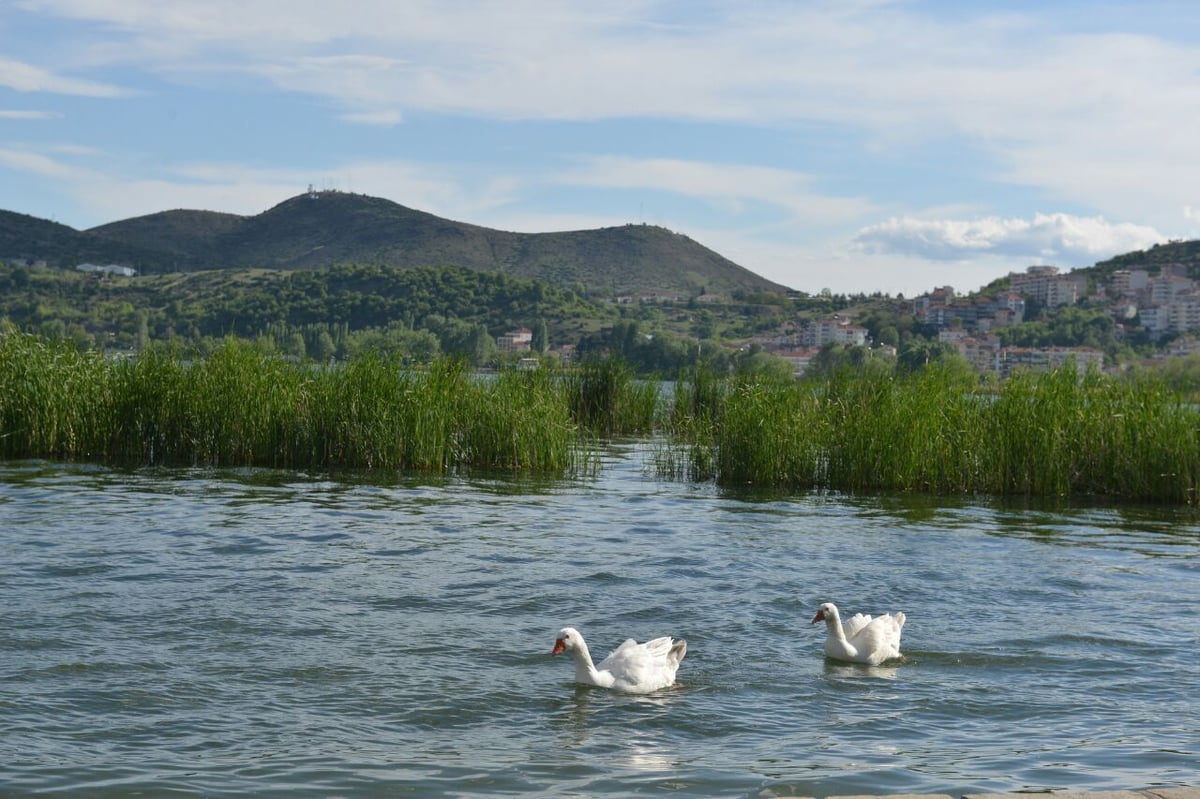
(261, 632)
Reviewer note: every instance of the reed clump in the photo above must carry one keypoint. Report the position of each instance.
(243, 407)
(1049, 434)
(55, 401)
(521, 421)
(607, 399)
(688, 450)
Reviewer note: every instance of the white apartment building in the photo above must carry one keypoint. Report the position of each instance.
(1045, 285)
(1127, 282)
(836, 331)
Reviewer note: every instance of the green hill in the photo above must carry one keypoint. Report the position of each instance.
(28, 238)
(318, 230)
(1158, 256)
(190, 238)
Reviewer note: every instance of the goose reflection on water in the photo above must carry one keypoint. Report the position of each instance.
(853, 671)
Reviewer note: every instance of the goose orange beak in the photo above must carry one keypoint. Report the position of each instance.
(819, 617)
(559, 647)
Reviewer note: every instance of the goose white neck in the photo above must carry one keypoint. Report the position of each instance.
(585, 669)
(834, 622)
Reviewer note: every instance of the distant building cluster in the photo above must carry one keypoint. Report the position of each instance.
(799, 343)
(1162, 304)
(967, 323)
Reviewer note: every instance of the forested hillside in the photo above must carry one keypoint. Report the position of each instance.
(320, 230)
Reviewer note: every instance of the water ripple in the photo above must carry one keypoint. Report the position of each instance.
(248, 632)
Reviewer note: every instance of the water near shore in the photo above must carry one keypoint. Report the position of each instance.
(258, 632)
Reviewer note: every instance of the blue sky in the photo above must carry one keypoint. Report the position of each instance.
(851, 145)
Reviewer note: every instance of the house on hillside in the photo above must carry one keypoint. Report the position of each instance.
(835, 330)
(1045, 285)
(519, 340)
(108, 269)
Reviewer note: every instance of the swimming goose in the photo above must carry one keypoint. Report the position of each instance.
(862, 639)
(632, 667)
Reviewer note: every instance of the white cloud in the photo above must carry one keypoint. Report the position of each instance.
(1073, 240)
(42, 165)
(729, 186)
(106, 191)
(383, 118)
(1094, 118)
(23, 77)
(29, 115)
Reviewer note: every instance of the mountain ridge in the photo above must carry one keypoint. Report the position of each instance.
(317, 230)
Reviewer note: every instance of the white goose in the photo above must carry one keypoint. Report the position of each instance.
(862, 639)
(632, 667)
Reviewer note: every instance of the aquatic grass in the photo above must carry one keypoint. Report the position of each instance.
(520, 420)
(687, 450)
(240, 406)
(54, 399)
(606, 398)
(371, 413)
(913, 433)
(1057, 434)
(151, 393)
(1033, 427)
(770, 432)
(1049, 434)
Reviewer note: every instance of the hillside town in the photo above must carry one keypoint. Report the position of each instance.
(1162, 304)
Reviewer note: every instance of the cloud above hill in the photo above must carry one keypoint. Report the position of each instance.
(1065, 238)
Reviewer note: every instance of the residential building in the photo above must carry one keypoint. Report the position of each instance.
(515, 341)
(1042, 358)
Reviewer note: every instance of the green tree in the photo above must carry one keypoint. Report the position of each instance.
(294, 345)
(541, 336)
(920, 353)
(323, 349)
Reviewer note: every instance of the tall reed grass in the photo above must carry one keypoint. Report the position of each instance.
(606, 398)
(241, 407)
(1044, 434)
(689, 449)
(55, 401)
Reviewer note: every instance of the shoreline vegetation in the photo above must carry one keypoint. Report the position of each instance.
(1048, 434)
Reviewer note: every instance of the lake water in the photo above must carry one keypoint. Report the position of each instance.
(251, 632)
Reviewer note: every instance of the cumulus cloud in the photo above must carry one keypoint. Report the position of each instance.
(1061, 237)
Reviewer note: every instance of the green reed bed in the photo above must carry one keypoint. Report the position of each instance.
(373, 413)
(54, 400)
(1051, 434)
(919, 433)
(779, 433)
(521, 420)
(606, 398)
(688, 451)
(240, 407)
(1055, 434)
